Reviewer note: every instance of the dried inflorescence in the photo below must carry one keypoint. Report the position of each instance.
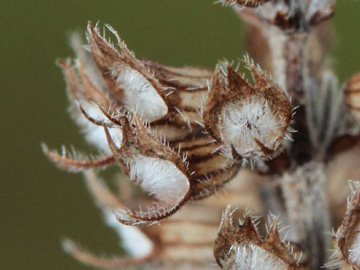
(182, 134)
(251, 121)
(242, 247)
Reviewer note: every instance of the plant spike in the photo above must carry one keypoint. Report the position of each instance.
(182, 134)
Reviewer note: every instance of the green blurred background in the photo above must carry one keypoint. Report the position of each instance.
(41, 204)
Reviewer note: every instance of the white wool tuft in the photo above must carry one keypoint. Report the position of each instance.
(246, 120)
(140, 95)
(95, 134)
(252, 257)
(159, 177)
(93, 111)
(136, 243)
(116, 136)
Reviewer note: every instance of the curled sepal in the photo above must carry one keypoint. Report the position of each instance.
(77, 162)
(130, 81)
(81, 89)
(347, 236)
(241, 247)
(244, 3)
(252, 121)
(152, 165)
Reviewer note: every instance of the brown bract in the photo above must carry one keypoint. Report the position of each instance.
(119, 68)
(252, 121)
(173, 95)
(241, 247)
(181, 134)
(150, 164)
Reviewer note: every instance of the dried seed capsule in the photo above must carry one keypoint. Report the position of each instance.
(152, 165)
(128, 79)
(352, 95)
(243, 248)
(252, 121)
(164, 96)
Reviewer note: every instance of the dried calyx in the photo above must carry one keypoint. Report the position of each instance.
(241, 247)
(251, 121)
(161, 145)
(165, 97)
(152, 165)
(181, 134)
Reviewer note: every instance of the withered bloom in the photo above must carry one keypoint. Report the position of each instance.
(182, 134)
(242, 247)
(251, 121)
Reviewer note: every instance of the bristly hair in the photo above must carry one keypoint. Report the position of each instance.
(182, 135)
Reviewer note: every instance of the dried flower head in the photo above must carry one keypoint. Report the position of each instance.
(182, 134)
(242, 247)
(251, 121)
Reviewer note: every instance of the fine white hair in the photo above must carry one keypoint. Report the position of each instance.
(250, 119)
(140, 95)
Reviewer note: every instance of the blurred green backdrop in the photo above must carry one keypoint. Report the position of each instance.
(40, 204)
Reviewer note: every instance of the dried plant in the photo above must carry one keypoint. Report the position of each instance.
(182, 134)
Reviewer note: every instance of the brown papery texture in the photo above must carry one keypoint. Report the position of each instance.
(199, 148)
